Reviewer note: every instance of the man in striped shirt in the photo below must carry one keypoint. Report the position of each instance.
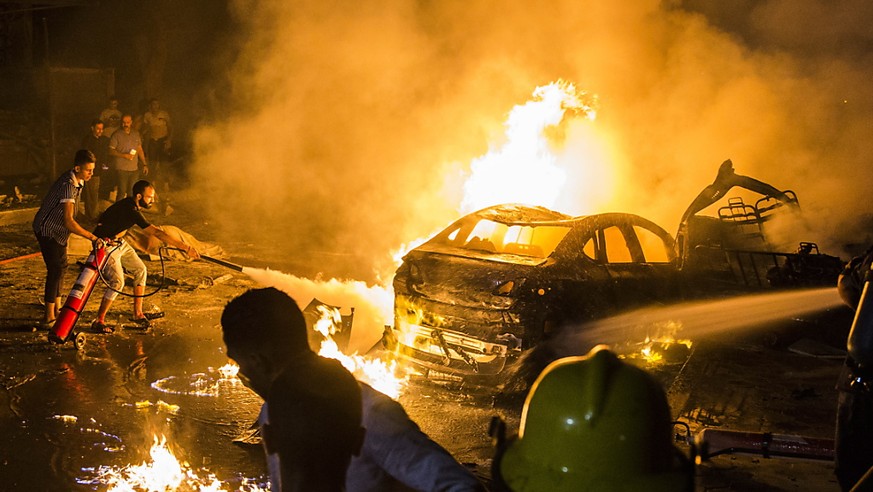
(53, 223)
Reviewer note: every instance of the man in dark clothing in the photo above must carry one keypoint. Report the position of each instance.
(96, 189)
(265, 333)
(113, 223)
(853, 443)
(314, 425)
(53, 223)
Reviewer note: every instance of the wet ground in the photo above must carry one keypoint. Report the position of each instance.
(68, 415)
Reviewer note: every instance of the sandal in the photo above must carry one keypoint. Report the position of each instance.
(98, 327)
(142, 322)
(153, 316)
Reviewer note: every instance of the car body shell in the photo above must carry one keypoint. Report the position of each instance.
(497, 281)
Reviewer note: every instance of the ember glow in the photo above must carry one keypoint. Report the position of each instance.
(660, 342)
(384, 376)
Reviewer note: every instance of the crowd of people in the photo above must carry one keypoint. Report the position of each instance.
(128, 147)
(106, 176)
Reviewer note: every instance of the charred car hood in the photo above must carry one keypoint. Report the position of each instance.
(467, 279)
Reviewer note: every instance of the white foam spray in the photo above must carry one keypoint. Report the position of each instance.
(373, 303)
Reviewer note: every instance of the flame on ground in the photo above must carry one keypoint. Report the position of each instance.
(164, 472)
(662, 346)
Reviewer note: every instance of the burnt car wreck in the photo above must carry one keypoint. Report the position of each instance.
(497, 282)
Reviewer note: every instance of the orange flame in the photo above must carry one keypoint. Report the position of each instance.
(381, 375)
(654, 347)
(524, 169)
(163, 473)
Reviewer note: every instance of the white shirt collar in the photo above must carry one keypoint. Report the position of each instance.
(76, 182)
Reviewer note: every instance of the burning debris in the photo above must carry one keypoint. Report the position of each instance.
(164, 472)
(383, 375)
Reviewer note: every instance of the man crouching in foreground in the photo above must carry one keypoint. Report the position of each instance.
(265, 334)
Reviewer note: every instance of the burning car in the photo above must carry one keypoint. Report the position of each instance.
(499, 280)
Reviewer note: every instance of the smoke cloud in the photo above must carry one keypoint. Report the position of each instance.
(350, 126)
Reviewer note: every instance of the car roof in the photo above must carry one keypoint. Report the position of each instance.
(520, 214)
(517, 213)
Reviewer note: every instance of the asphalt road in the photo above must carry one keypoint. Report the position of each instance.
(68, 415)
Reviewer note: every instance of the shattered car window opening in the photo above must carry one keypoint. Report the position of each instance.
(485, 235)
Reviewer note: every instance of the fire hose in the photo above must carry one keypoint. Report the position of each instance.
(709, 443)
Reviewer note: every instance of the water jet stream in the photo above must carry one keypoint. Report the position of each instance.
(699, 319)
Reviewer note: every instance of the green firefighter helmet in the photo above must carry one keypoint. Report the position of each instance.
(594, 423)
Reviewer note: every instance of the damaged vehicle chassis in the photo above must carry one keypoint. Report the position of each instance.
(497, 282)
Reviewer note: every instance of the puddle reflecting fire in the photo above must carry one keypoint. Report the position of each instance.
(209, 383)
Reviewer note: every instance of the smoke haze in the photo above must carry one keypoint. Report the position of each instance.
(350, 126)
(373, 304)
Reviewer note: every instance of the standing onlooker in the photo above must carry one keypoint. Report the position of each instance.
(158, 133)
(111, 117)
(53, 223)
(126, 147)
(98, 144)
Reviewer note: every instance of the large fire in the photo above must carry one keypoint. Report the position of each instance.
(525, 169)
(522, 169)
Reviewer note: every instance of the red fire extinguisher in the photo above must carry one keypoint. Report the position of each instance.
(75, 303)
